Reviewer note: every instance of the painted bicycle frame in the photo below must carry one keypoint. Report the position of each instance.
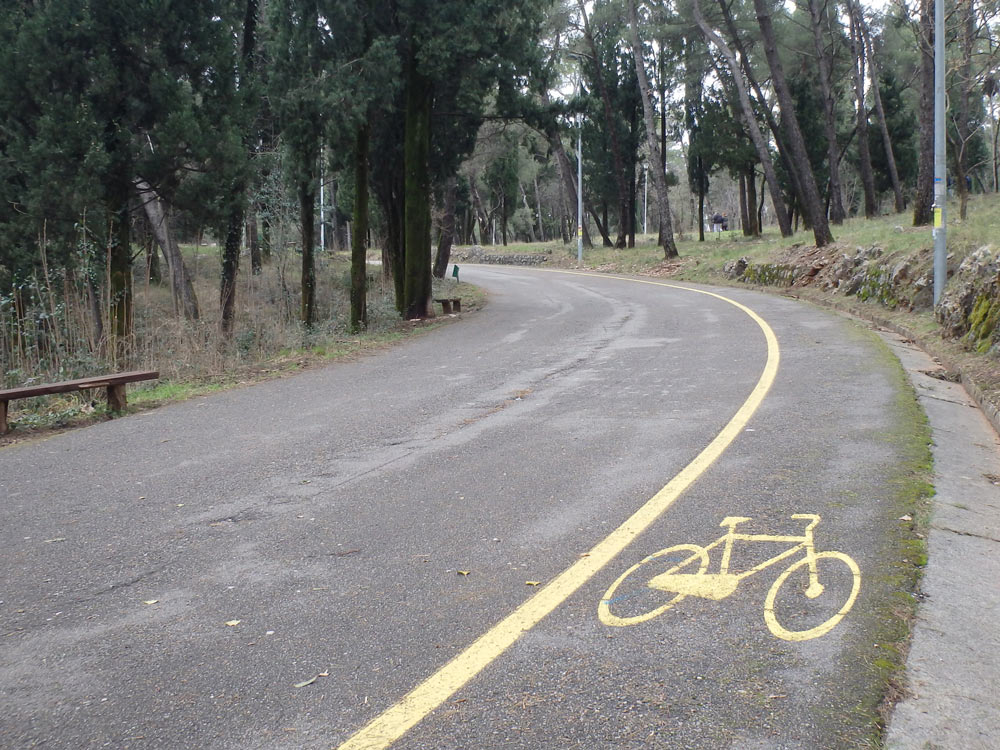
(718, 586)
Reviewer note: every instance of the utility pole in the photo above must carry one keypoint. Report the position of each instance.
(645, 198)
(322, 215)
(940, 229)
(579, 190)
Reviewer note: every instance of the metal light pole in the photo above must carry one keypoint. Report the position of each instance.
(940, 169)
(322, 215)
(645, 198)
(579, 191)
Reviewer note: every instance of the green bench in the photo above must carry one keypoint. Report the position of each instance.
(115, 385)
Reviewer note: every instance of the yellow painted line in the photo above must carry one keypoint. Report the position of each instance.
(398, 719)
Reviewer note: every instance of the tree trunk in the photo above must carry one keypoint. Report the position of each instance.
(120, 278)
(503, 218)
(230, 269)
(477, 201)
(234, 229)
(443, 256)
(661, 83)
(744, 210)
(307, 234)
(265, 239)
(158, 213)
(569, 185)
(568, 174)
(897, 187)
(391, 188)
(752, 218)
(527, 207)
(750, 121)
(538, 203)
(601, 226)
(837, 213)
(760, 207)
(701, 206)
(612, 130)
(812, 204)
(153, 273)
(631, 206)
(995, 123)
(923, 199)
(858, 71)
(659, 173)
(96, 314)
(962, 133)
(359, 261)
(780, 140)
(253, 244)
(417, 143)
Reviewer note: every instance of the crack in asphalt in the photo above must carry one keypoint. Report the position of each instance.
(125, 583)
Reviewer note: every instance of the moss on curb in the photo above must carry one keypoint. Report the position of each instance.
(912, 491)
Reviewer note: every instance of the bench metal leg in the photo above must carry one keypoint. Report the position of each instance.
(457, 304)
(116, 397)
(3, 417)
(446, 306)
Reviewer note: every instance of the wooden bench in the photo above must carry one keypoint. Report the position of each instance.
(114, 383)
(452, 303)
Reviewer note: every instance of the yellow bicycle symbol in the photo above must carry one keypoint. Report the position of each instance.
(628, 604)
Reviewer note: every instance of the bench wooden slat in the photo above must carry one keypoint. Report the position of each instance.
(114, 384)
(103, 381)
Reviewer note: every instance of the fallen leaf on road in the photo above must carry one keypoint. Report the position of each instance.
(906, 518)
(532, 583)
(463, 572)
(310, 681)
(151, 601)
(233, 623)
(57, 539)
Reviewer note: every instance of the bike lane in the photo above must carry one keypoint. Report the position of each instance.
(779, 652)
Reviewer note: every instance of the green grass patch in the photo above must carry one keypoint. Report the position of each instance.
(909, 512)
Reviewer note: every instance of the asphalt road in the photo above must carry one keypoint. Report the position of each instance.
(172, 579)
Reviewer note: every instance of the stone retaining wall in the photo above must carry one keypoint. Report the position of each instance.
(969, 308)
(476, 254)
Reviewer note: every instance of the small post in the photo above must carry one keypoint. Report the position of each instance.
(454, 272)
(116, 397)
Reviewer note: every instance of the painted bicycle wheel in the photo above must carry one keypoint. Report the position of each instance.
(630, 600)
(772, 602)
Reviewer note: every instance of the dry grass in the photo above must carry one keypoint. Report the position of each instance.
(48, 334)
